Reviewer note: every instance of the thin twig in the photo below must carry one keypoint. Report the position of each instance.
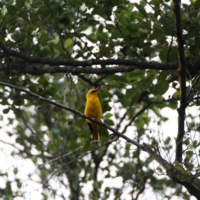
(60, 157)
(134, 117)
(168, 52)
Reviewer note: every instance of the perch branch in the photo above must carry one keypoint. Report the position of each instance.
(73, 111)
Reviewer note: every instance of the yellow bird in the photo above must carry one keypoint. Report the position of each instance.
(93, 109)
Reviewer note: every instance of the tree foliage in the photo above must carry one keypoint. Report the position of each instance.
(54, 51)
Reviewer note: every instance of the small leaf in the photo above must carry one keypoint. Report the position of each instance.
(92, 37)
(6, 111)
(119, 78)
(102, 37)
(53, 41)
(139, 123)
(129, 93)
(12, 10)
(162, 87)
(109, 122)
(156, 111)
(167, 140)
(132, 27)
(92, 22)
(108, 115)
(116, 34)
(43, 37)
(189, 154)
(176, 94)
(141, 9)
(68, 43)
(173, 104)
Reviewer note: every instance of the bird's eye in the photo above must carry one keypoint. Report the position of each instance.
(93, 91)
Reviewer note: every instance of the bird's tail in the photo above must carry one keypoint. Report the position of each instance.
(94, 131)
(95, 136)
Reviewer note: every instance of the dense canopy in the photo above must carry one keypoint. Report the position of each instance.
(144, 55)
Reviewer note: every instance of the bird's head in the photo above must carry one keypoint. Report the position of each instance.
(92, 92)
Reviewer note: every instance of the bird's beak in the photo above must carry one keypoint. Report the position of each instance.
(97, 88)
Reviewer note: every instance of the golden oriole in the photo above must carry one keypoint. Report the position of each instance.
(93, 109)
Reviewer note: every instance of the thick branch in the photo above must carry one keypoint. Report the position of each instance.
(182, 80)
(179, 176)
(157, 157)
(73, 111)
(127, 65)
(192, 65)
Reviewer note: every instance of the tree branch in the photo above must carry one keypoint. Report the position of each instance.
(125, 66)
(75, 112)
(182, 80)
(71, 66)
(134, 117)
(179, 176)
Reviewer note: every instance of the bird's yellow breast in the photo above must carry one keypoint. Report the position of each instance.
(93, 107)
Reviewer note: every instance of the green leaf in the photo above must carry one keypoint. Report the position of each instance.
(53, 41)
(157, 33)
(108, 115)
(92, 37)
(116, 34)
(162, 87)
(12, 9)
(109, 122)
(133, 28)
(176, 94)
(144, 25)
(104, 51)
(6, 111)
(92, 22)
(129, 93)
(68, 43)
(139, 123)
(189, 155)
(3, 11)
(43, 37)
(155, 2)
(117, 78)
(156, 111)
(172, 104)
(167, 140)
(141, 9)
(102, 37)
(19, 184)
